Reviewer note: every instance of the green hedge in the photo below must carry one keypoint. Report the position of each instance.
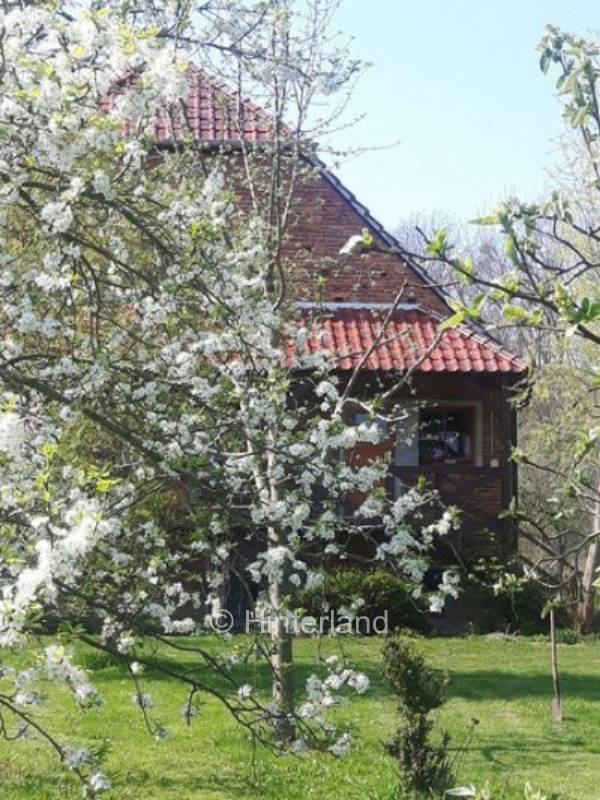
(380, 590)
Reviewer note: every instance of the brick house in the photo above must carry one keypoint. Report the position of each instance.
(460, 426)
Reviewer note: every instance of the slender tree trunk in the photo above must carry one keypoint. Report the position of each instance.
(587, 604)
(282, 665)
(281, 653)
(586, 608)
(557, 701)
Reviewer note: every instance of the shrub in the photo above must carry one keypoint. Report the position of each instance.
(568, 636)
(518, 607)
(424, 767)
(379, 590)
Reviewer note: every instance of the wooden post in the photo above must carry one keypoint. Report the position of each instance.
(557, 701)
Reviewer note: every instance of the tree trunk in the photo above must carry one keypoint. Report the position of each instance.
(281, 653)
(281, 661)
(586, 607)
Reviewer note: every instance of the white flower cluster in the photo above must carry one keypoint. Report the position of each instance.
(245, 692)
(143, 700)
(12, 435)
(320, 692)
(59, 666)
(447, 588)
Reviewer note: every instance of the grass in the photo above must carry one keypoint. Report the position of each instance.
(503, 683)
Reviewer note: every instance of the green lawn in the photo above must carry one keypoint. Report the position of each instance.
(505, 684)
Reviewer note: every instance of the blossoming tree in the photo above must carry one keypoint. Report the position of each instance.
(153, 368)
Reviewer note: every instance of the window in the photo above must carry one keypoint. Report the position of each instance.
(446, 435)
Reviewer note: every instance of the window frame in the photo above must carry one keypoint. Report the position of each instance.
(468, 431)
(407, 455)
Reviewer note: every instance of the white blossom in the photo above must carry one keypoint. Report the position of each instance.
(76, 757)
(142, 700)
(99, 782)
(359, 681)
(12, 434)
(245, 691)
(341, 747)
(58, 216)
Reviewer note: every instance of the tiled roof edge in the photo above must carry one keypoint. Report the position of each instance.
(481, 338)
(330, 305)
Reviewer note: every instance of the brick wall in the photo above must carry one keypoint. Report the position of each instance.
(321, 221)
(324, 220)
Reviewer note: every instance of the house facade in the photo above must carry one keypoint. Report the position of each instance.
(377, 312)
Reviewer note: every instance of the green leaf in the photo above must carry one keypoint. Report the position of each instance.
(584, 308)
(49, 450)
(510, 250)
(579, 118)
(454, 320)
(578, 93)
(476, 307)
(367, 238)
(105, 485)
(438, 246)
(492, 219)
(514, 313)
(466, 269)
(545, 60)
(517, 456)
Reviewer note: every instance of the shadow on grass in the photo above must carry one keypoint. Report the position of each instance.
(530, 751)
(234, 785)
(255, 671)
(479, 685)
(50, 787)
(500, 685)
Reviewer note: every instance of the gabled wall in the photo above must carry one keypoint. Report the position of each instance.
(324, 215)
(325, 218)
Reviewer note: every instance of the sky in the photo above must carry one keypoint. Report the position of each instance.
(457, 84)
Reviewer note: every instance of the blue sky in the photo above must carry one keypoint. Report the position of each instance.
(458, 83)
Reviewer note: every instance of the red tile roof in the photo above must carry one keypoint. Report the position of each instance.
(214, 113)
(409, 337)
